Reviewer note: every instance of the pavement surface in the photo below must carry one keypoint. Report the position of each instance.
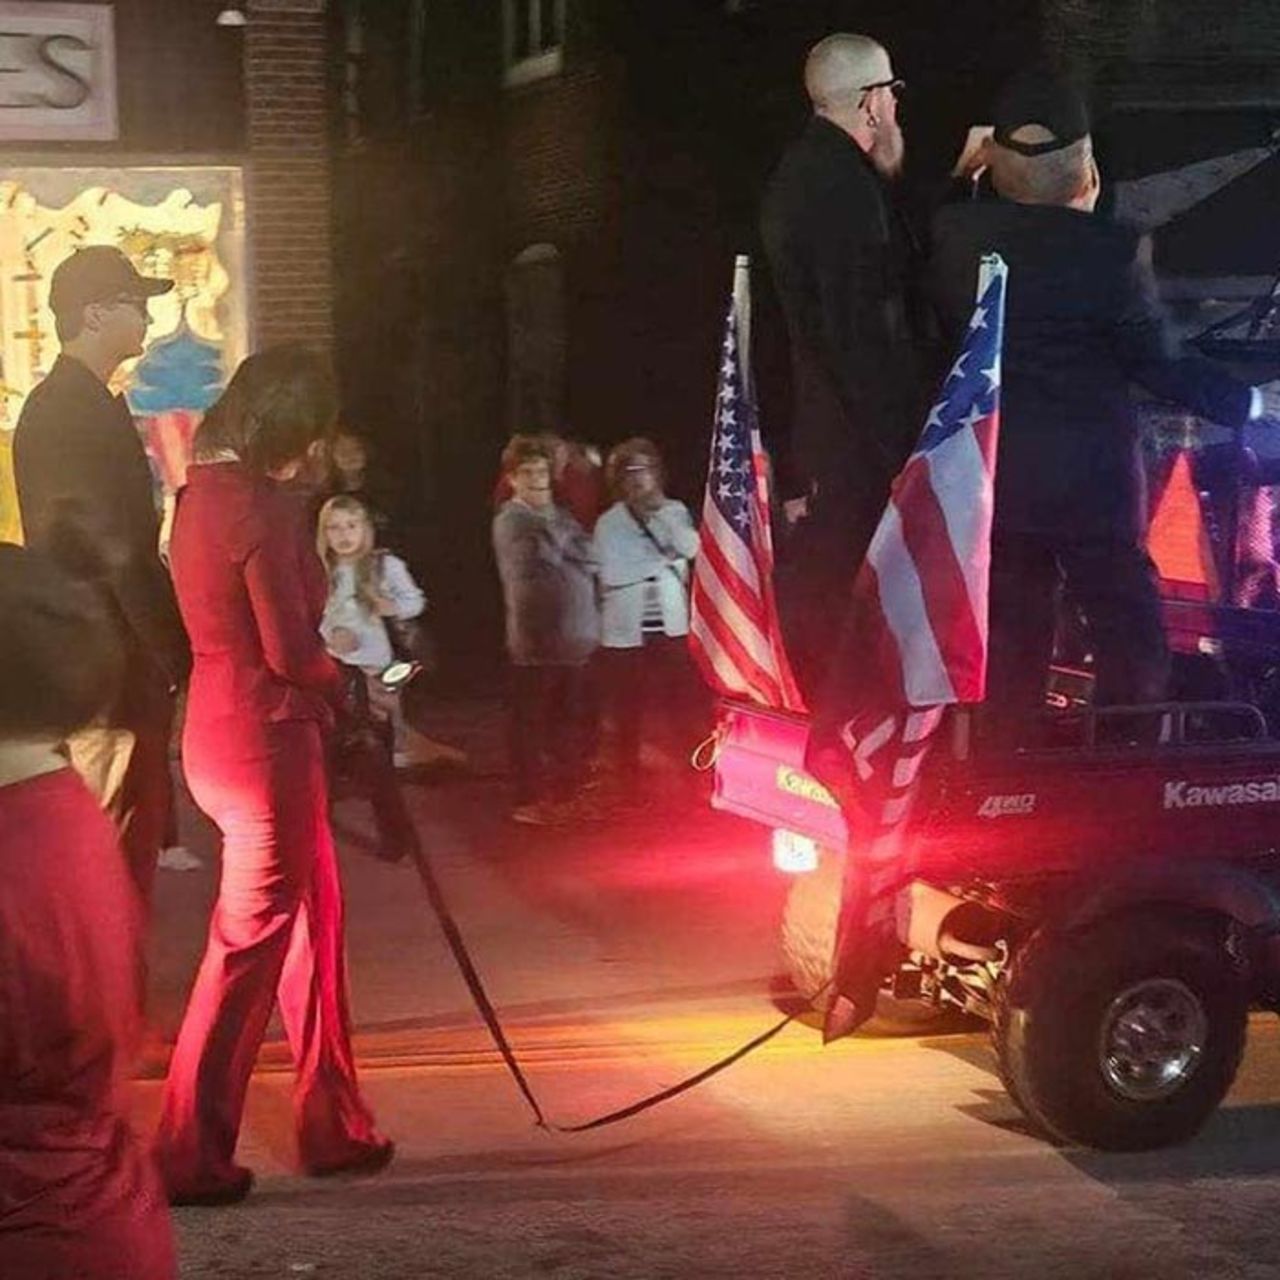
(624, 955)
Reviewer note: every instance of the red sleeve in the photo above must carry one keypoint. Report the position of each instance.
(580, 491)
(286, 592)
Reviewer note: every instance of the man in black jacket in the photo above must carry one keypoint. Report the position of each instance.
(842, 259)
(85, 495)
(1082, 322)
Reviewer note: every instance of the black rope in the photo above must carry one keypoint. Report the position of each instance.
(466, 966)
(462, 957)
(625, 1113)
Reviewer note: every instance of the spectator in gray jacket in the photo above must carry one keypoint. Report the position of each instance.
(547, 567)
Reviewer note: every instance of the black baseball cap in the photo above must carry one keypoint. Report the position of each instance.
(1039, 97)
(99, 273)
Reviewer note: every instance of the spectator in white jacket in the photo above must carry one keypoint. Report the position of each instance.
(645, 544)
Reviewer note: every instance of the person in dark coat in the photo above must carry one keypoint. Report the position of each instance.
(842, 259)
(1082, 322)
(85, 495)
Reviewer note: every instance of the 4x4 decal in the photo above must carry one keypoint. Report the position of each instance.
(1019, 806)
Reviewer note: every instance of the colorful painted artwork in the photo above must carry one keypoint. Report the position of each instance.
(184, 222)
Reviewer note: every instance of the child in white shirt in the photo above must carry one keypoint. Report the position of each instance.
(368, 588)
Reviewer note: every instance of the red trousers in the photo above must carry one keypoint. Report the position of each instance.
(276, 935)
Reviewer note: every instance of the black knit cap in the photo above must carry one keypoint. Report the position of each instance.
(1043, 98)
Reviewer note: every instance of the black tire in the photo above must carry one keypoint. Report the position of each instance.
(1065, 995)
(808, 942)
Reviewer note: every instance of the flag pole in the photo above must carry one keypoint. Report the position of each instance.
(742, 306)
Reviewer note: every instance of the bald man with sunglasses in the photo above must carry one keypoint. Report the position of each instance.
(843, 260)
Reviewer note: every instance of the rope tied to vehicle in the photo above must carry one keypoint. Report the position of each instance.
(480, 997)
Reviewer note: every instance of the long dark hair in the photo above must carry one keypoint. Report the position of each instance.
(277, 404)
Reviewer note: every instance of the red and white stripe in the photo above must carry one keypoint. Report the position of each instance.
(928, 569)
(734, 632)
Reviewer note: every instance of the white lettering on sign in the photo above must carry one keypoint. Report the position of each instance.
(1007, 806)
(57, 72)
(1190, 795)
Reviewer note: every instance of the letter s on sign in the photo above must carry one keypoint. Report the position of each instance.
(77, 90)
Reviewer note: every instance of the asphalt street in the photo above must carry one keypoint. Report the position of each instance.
(625, 955)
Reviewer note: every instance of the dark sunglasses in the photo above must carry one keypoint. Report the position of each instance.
(895, 86)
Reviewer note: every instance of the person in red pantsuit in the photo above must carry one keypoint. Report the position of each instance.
(251, 590)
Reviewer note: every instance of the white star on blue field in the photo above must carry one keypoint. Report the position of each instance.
(732, 476)
(971, 390)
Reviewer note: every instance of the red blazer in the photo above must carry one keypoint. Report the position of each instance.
(251, 589)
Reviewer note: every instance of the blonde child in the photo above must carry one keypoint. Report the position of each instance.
(367, 588)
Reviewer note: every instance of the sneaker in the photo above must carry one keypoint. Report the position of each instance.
(586, 806)
(415, 750)
(531, 815)
(178, 857)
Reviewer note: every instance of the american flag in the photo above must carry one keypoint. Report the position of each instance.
(734, 633)
(920, 629)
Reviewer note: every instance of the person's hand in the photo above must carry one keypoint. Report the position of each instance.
(382, 700)
(343, 640)
(795, 509)
(1270, 392)
(973, 155)
(386, 607)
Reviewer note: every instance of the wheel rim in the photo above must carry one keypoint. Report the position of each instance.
(1153, 1037)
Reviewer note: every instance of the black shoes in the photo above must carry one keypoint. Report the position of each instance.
(226, 1193)
(364, 1161)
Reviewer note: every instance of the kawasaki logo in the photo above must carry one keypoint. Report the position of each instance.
(1007, 806)
(1183, 795)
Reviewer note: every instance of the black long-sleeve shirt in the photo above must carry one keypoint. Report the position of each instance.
(842, 261)
(84, 491)
(1082, 322)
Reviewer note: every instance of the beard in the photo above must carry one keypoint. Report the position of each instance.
(888, 151)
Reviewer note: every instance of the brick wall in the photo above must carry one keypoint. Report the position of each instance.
(562, 155)
(286, 91)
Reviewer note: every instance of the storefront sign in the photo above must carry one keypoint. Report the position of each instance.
(57, 72)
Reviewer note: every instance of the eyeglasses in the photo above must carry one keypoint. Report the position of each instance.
(138, 304)
(895, 87)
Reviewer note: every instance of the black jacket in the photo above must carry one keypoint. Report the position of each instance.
(84, 490)
(1082, 322)
(842, 261)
